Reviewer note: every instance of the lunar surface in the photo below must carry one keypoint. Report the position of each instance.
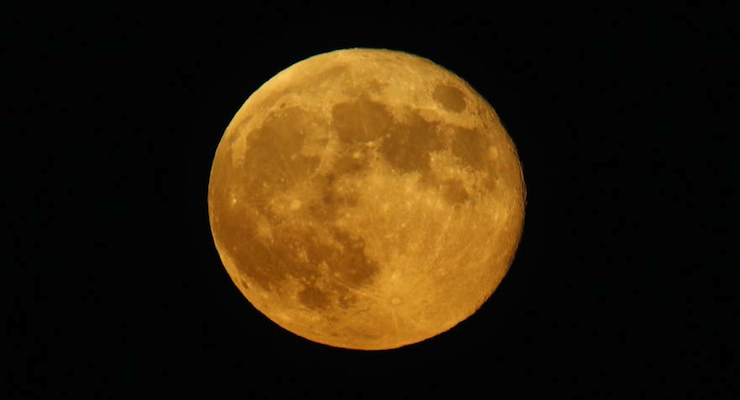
(366, 199)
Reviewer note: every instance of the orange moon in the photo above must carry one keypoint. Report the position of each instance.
(366, 199)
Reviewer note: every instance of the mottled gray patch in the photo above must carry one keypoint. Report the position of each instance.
(350, 264)
(408, 145)
(327, 206)
(296, 253)
(312, 297)
(471, 147)
(273, 161)
(450, 97)
(349, 163)
(252, 257)
(454, 191)
(361, 120)
(331, 75)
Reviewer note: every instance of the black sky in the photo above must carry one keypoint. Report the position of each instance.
(623, 284)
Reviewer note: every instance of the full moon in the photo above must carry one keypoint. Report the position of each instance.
(366, 199)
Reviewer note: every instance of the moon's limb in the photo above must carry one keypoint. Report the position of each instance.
(366, 199)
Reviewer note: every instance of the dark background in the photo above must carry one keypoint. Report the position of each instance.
(623, 284)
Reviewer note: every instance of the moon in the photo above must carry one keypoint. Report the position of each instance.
(366, 199)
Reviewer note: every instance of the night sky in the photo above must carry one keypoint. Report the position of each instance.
(623, 284)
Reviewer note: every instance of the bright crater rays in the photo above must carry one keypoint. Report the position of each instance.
(366, 199)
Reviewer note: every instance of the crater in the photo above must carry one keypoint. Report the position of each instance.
(449, 97)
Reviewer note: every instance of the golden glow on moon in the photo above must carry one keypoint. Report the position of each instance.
(366, 199)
